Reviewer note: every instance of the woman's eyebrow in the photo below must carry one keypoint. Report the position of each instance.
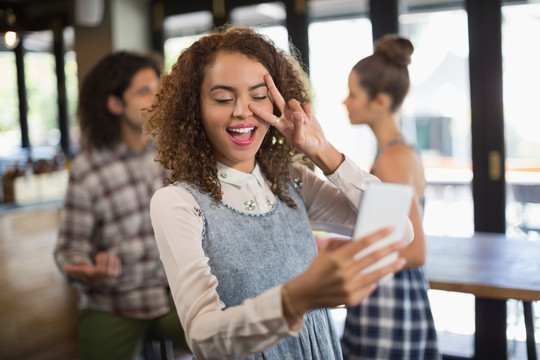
(257, 86)
(222, 87)
(231, 89)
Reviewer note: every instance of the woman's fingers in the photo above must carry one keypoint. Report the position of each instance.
(377, 274)
(364, 284)
(358, 265)
(357, 245)
(274, 92)
(299, 119)
(334, 243)
(337, 277)
(355, 283)
(268, 117)
(302, 114)
(278, 100)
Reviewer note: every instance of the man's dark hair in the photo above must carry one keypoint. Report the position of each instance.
(111, 76)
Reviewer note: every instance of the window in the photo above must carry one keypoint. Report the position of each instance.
(268, 18)
(42, 103)
(330, 65)
(42, 99)
(184, 29)
(181, 31)
(72, 89)
(521, 76)
(436, 115)
(10, 131)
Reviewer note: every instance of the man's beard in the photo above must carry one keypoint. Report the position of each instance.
(134, 125)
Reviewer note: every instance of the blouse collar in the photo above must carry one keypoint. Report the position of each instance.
(237, 178)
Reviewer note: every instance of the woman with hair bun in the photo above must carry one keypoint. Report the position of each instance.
(395, 321)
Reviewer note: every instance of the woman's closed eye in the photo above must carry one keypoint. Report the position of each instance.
(230, 100)
(223, 101)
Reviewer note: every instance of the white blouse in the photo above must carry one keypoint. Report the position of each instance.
(213, 333)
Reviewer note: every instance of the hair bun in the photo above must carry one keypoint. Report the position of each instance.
(396, 49)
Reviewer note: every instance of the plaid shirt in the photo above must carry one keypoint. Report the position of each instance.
(107, 209)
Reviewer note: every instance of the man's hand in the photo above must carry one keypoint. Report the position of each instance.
(106, 266)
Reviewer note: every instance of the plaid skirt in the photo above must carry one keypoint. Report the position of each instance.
(395, 322)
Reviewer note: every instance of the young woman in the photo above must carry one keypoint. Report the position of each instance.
(233, 229)
(395, 322)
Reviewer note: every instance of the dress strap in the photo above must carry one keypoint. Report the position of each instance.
(386, 146)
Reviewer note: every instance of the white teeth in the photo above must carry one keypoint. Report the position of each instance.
(242, 130)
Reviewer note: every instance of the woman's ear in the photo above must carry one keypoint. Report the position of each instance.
(383, 101)
(115, 105)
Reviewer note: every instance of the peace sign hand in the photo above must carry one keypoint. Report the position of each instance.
(300, 127)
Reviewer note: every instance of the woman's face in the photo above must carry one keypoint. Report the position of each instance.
(231, 83)
(358, 103)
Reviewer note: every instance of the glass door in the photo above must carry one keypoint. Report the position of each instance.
(521, 76)
(436, 116)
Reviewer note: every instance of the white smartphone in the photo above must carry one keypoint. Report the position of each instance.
(382, 205)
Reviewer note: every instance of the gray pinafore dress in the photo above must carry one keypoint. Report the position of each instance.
(395, 322)
(252, 253)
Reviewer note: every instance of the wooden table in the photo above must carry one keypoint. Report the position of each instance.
(492, 267)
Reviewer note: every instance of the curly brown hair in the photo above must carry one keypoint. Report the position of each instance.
(175, 122)
(112, 75)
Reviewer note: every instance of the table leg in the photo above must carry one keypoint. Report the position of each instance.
(529, 328)
(490, 336)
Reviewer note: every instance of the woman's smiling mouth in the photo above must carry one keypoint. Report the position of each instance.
(242, 134)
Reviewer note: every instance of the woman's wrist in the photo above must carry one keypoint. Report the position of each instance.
(328, 160)
(292, 309)
(289, 310)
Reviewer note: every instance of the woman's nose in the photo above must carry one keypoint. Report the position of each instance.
(241, 109)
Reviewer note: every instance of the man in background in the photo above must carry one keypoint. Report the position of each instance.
(106, 244)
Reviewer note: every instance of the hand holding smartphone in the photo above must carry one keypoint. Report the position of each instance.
(382, 205)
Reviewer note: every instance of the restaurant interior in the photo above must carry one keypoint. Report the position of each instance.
(472, 110)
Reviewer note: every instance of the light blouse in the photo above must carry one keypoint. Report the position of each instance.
(214, 333)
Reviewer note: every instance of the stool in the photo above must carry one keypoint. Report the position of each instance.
(158, 349)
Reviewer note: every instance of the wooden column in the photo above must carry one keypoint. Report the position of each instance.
(21, 85)
(487, 130)
(384, 17)
(57, 25)
(220, 12)
(297, 27)
(157, 17)
(93, 43)
(487, 123)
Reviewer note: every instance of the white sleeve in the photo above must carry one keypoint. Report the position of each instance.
(332, 205)
(211, 332)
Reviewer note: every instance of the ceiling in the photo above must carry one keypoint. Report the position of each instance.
(36, 15)
(32, 15)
